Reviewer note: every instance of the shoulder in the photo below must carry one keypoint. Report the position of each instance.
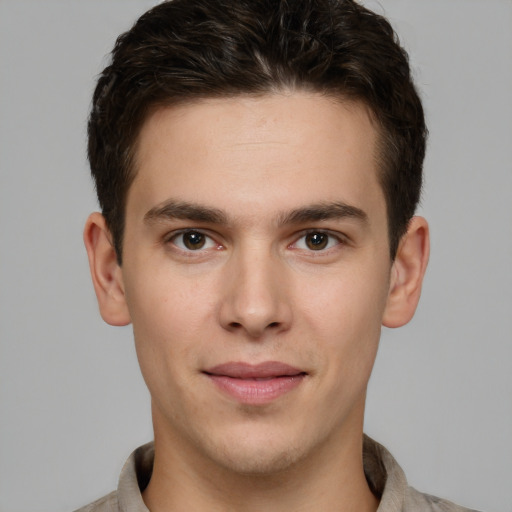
(108, 503)
(387, 480)
(134, 478)
(416, 501)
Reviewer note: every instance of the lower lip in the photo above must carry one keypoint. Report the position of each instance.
(257, 392)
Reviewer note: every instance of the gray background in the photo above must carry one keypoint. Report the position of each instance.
(72, 402)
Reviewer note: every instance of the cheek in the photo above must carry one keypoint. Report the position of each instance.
(344, 315)
(168, 316)
(346, 304)
(167, 303)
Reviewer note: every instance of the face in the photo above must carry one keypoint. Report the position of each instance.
(256, 273)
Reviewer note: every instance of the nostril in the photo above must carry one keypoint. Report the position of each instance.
(274, 324)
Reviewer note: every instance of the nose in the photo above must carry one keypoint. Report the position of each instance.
(256, 297)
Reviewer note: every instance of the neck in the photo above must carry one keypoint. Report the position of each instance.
(330, 479)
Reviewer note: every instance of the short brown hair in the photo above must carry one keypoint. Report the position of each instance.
(183, 50)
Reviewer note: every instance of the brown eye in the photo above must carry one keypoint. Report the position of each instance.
(193, 240)
(316, 241)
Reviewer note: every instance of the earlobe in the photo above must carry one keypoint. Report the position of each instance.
(105, 271)
(407, 274)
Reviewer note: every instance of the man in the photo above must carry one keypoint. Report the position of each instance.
(258, 165)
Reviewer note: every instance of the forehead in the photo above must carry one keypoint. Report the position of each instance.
(258, 153)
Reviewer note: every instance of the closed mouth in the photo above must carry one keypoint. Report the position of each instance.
(255, 384)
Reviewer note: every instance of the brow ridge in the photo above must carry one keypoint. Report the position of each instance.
(172, 209)
(323, 211)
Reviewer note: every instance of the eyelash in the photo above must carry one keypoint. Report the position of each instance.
(211, 243)
(176, 235)
(331, 237)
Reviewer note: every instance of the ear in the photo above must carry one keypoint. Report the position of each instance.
(407, 274)
(106, 273)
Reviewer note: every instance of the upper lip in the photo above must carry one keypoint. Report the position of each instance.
(267, 369)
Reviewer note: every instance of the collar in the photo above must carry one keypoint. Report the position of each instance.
(385, 477)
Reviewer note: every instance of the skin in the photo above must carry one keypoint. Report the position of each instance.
(251, 176)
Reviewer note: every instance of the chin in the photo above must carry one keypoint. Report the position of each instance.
(257, 454)
(264, 462)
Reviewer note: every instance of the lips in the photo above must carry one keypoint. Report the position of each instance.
(255, 384)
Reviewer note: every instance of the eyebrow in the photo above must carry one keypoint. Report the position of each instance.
(323, 211)
(172, 209)
(187, 211)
